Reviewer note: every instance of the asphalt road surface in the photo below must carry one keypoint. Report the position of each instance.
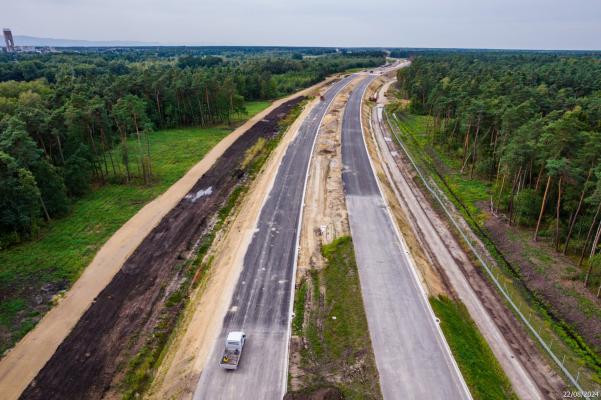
(412, 358)
(261, 301)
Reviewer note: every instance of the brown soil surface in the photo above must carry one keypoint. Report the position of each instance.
(546, 273)
(317, 394)
(202, 319)
(113, 329)
(324, 214)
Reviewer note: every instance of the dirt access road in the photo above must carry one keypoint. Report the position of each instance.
(26, 359)
(528, 372)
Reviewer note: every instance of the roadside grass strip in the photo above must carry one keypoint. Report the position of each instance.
(481, 370)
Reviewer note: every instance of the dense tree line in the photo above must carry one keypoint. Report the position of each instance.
(531, 123)
(411, 52)
(67, 120)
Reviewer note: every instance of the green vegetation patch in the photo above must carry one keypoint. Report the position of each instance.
(480, 368)
(252, 108)
(299, 308)
(463, 191)
(346, 325)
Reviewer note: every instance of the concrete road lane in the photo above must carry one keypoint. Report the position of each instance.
(261, 302)
(412, 358)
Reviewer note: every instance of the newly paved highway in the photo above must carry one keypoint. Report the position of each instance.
(261, 302)
(412, 358)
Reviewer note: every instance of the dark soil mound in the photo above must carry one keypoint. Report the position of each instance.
(329, 393)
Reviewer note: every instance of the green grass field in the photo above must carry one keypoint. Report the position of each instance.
(66, 246)
(252, 108)
(479, 367)
(353, 70)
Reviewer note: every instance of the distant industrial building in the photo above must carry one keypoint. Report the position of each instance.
(11, 48)
(8, 40)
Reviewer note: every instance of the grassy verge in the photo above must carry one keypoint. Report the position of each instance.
(465, 193)
(141, 368)
(65, 247)
(299, 309)
(252, 108)
(338, 347)
(479, 367)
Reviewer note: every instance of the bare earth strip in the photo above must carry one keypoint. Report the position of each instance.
(26, 359)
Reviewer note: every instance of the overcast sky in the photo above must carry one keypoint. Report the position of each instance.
(530, 24)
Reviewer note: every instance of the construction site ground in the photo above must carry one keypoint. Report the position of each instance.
(26, 359)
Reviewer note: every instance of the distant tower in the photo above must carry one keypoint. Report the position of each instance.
(8, 39)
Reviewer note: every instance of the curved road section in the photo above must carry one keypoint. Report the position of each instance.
(261, 302)
(413, 360)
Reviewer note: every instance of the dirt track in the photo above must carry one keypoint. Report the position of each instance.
(109, 332)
